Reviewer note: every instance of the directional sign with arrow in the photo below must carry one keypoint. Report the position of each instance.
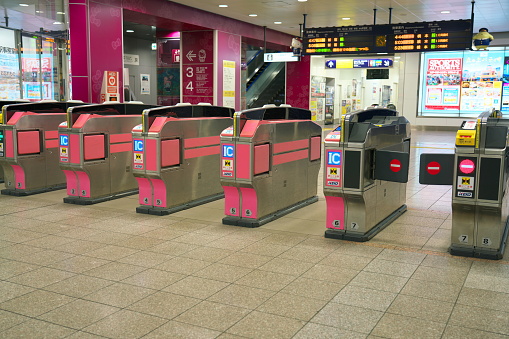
(190, 55)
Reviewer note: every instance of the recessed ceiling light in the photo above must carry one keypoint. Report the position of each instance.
(345, 18)
(61, 13)
(445, 12)
(223, 5)
(23, 5)
(57, 23)
(302, 0)
(129, 31)
(278, 22)
(253, 14)
(39, 12)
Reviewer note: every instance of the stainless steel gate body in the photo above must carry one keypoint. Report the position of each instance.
(30, 144)
(365, 175)
(270, 161)
(176, 156)
(96, 151)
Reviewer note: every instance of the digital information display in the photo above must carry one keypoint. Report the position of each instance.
(393, 38)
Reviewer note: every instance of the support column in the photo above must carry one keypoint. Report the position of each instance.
(298, 76)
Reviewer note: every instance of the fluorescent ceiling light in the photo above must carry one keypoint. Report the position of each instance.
(223, 6)
(345, 18)
(23, 5)
(253, 14)
(57, 23)
(302, 0)
(129, 31)
(61, 13)
(278, 22)
(445, 12)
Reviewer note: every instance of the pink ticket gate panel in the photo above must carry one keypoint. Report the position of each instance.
(176, 156)
(365, 174)
(29, 146)
(270, 161)
(95, 151)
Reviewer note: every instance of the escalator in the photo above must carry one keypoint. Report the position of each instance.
(265, 82)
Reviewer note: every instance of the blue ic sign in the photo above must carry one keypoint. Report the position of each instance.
(138, 145)
(64, 140)
(334, 158)
(227, 151)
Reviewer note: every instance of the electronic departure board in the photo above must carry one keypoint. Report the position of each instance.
(393, 38)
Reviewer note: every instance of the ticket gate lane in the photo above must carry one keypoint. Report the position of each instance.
(266, 171)
(367, 161)
(176, 157)
(96, 152)
(479, 184)
(31, 147)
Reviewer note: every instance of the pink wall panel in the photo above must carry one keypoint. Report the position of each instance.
(297, 82)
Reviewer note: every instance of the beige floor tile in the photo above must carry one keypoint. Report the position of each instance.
(266, 249)
(284, 238)
(262, 325)
(49, 241)
(37, 329)
(397, 326)
(292, 306)
(480, 318)
(126, 324)
(316, 331)
(83, 335)
(485, 298)
(10, 290)
(189, 225)
(319, 243)
(398, 239)
(305, 254)
(231, 242)
(410, 219)
(357, 249)
(41, 277)
(266, 280)
(196, 287)
(115, 271)
(173, 248)
(438, 244)
(140, 242)
(78, 286)
(365, 297)
(296, 225)
(79, 264)
(10, 319)
(451, 275)
(391, 267)
(79, 246)
(286, 266)
(46, 257)
(10, 268)
(241, 296)
(446, 261)
(214, 316)
(145, 259)
(402, 256)
(154, 279)
(312, 288)
(197, 238)
(35, 303)
(178, 330)
(78, 233)
(415, 307)
(111, 252)
(164, 233)
(378, 281)
(222, 272)
(459, 332)
(183, 265)
(410, 230)
(164, 305)
(432, 290)
(341, 260)
(207, 254)
(18, 250)
(119, 295)
(330, 273)
(78, 314)
(247, 260)
(348, 317)
(494, 269)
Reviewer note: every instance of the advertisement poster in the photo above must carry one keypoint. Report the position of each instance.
(505, 97)
(443, 78)
(229, 83)
(145, 83)
(482, 81)
(9, 74)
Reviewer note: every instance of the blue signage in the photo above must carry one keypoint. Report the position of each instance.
(228, 151)
(372, 63)
(330, 64)
(334, 158)
(138, 145)
(64, 140)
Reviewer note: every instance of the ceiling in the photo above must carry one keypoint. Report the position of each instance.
(493, 14)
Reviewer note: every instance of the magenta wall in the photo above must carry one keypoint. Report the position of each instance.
(297, 82)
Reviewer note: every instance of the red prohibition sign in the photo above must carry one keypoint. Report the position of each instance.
(395, 165)
(433, 168)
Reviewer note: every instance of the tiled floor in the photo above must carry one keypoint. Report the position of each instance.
(71, 271)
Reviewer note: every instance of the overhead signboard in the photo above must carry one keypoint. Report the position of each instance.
(359, 63)
(391, 38)
(280, 57)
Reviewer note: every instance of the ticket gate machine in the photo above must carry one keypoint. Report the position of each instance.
(30, 146)
(3, 103)
(478, 172)
(96, 151)
(270, 161)
(365, 175)
(176, 156)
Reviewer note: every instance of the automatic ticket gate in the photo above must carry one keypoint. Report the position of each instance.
(365, 175)
(270, 161)
(29, 146)
(478, 173)
(96, 150)
(176, 156)
(2, 104)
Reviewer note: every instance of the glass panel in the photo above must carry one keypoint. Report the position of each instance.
(30, 68)
(9, 66)
(50, 87)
